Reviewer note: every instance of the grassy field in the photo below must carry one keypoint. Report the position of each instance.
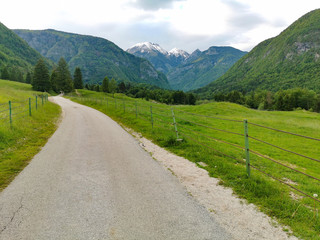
(19, 143)
(202, 142)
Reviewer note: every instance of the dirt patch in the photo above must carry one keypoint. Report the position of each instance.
(242, 220)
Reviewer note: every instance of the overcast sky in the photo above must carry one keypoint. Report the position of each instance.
(185, 24)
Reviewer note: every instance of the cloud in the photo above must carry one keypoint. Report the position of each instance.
(242, 17)
(154, 4)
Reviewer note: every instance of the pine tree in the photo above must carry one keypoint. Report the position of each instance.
(41, 78)
(113, 86)
(28, 78)
(77, 79)
(63, 79)
(105, 85)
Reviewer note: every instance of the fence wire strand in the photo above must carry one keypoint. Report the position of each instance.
(281, 181)
(199, 115)
(212, 138)
(283, 149)
(278, 130)
(217, 129)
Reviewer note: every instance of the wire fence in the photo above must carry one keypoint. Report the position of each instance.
(12, 111)
(220, 133)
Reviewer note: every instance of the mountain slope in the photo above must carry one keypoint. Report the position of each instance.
(201, 68)
(292, 59)
(161, 59)
(15, 52)
(97, 57)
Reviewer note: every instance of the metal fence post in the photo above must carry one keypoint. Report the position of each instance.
(30, 107)
(151, 116)
(36, 102)
(175, 124)
(10, 113)
(42, 99)
(246, 138)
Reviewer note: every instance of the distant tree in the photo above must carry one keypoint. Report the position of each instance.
(4, 73)
(105, 85)
(113, 86)
(28, 78)
(53, 80)
(64, 79)
(77, 79)
(41, 78)
(97, 88)
(122, 87)
(86, 86)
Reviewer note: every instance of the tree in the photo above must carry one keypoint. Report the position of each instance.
(113, 86)
(64, 79)
(122, 87)
(105, 85)
(77, 78)
(41, 78)
(5, 73)
(28, 78)
(53, 80)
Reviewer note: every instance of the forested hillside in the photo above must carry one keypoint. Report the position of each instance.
(16, 56)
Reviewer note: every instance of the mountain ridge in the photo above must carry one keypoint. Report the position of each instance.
(97, 57)
(289, 60)
(188, 71)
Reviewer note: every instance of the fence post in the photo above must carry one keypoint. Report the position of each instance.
(136, 109)
(42, 99)
(151, 116)
(36, 102)
(10, 113)
(175, 124)
(30, 107)
(246, 138)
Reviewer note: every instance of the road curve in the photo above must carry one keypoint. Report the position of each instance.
(92, 180)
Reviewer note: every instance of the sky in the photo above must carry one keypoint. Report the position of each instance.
(184, 24)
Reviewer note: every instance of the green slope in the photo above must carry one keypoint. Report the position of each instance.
(97, 57)
(15, 52)
(292, 59)
(203, 68)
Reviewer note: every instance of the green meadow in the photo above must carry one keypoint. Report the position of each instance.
(23, 139)
(210, 137)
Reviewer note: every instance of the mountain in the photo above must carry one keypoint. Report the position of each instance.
(201, 68)
(161, 59)
(188, 71)
(15, 52)
(97, 57)
(292, 59)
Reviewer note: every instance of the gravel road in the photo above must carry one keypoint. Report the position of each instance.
(92, 180)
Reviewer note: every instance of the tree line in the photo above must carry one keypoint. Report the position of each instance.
(143, 91)
(282, 100)
(13, 73)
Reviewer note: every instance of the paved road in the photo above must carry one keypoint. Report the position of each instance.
(92, 180)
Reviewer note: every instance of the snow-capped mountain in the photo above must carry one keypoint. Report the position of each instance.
(178, 53)
(147, 47)
(163, 60)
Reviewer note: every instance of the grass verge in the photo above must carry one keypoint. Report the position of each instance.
(19, 143)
